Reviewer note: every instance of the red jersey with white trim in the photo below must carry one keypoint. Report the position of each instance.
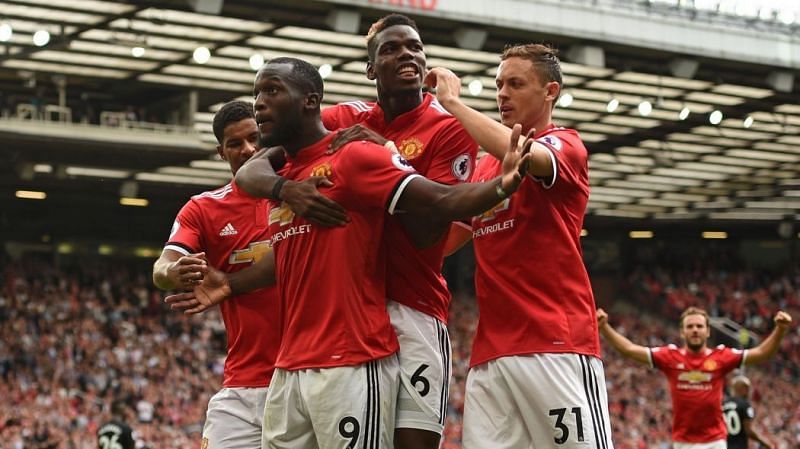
(332, 281)
(696, 382)
(439, 148)
(231, 227)
(533, 290)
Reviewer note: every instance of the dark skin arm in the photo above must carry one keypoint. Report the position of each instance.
(441, 204)
(422, 231)
(257, 177)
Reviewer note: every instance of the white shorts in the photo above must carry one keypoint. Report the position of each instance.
(233, 419)
(537, 401)
(425, 368)
(332, 408)
(719, 444)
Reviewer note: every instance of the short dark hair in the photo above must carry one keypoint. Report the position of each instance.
(305, 76)
(231, 112)
(384, 23)
(543, 57)
(118, 408)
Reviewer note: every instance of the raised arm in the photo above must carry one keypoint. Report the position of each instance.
(770, 345)
(490, 135)
(442, 203)
(624, 346)
(258, 178)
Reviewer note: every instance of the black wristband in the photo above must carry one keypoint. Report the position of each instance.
(276, 188)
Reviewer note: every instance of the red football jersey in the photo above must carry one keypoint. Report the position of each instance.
(696, 382)
(231, 227)
(332, 281)
(533, 290)
(439, 148)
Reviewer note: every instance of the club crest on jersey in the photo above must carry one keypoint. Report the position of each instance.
(324, 169)
(252, 254)
(461, 167)
(401, 163)
(552, 141)
(709, 365)
(492, 213)
(281, 214)
(411, 148)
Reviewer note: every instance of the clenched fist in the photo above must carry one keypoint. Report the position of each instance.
(783, 319)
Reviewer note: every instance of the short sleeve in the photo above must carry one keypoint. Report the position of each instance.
(568, 156)
(330, 118)
(731, 359)
(658, 357)
(454, 161)
(375, 175)
(186, 236)
(345, 115)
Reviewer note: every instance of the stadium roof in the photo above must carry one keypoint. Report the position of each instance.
(671, 137)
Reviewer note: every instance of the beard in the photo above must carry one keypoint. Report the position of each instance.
(282, 133)
(695, 347)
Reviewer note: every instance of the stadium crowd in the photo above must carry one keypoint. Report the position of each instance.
(77, 338)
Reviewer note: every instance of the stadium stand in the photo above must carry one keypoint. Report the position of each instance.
(78, 337)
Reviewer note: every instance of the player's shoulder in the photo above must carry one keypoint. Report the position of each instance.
(559, 138)
(435, 109)
(113, 426)
(362, 155)
(722, 349)
(672, 348)
(214, 195)
(352, 107)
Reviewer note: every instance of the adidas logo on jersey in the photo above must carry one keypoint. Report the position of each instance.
(228, 230)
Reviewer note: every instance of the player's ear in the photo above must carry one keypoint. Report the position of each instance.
(312, 100)
(370, 71)
(553, 90)
(221, 153)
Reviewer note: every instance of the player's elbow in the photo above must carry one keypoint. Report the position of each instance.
(160, 281)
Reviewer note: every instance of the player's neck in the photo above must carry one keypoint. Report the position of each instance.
(310, 133)
(395, 105)
(696, 351)
(540, 125)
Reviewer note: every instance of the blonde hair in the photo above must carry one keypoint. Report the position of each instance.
(694, 311)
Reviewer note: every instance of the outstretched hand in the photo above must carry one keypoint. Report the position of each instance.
(212, 290)
(352, 134)
(445, 84)
(304, 199)
(517, 159)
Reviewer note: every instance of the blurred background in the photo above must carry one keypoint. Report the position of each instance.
(689, 110)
